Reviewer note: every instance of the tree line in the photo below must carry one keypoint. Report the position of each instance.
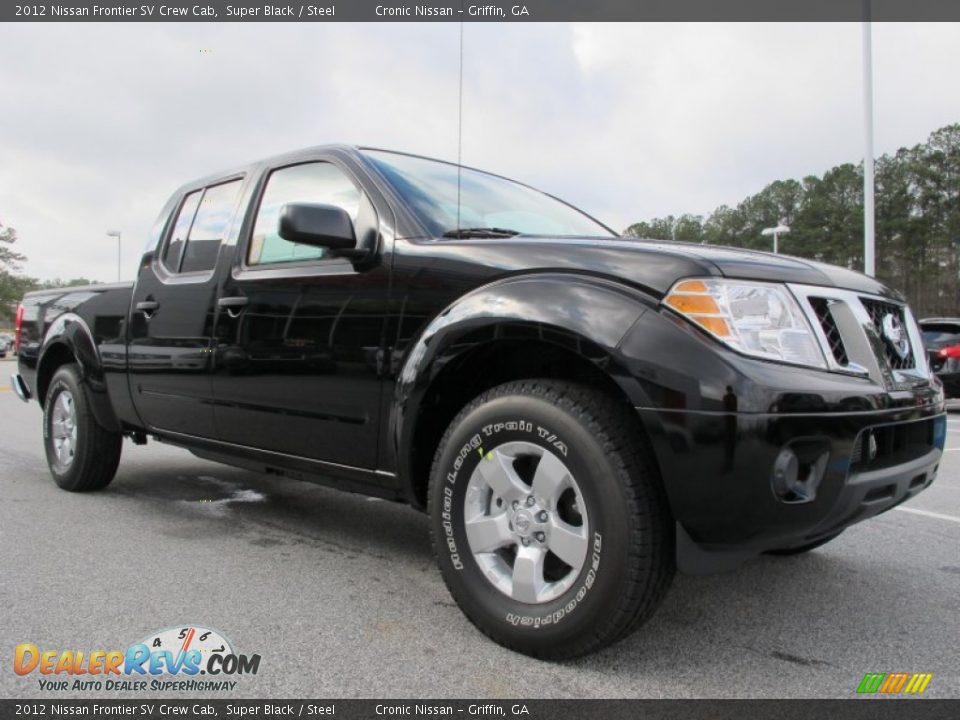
(917, 225)
(13, 283)
(917, 221)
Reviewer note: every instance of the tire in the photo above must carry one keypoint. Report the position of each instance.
(800, 549)
(600, 498)
(81, 454)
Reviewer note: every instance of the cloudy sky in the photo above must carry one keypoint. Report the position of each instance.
(100, 122)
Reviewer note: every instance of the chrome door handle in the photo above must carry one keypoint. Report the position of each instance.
(147, 307)
(233, 305)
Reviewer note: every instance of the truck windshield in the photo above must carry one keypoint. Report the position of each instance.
(489, 206)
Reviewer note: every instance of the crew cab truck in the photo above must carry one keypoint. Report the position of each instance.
(579, 413)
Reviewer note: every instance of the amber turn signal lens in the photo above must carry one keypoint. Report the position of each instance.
(694, 304)
(693, 299)
(690, 286)
(718, 326)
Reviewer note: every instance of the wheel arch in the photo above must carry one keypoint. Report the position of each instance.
(556, 326)
(69, 340)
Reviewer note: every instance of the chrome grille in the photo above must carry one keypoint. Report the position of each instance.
(877, 309)
(849, 329)
(821, 306)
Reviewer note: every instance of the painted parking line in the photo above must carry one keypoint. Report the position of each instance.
(927, 513)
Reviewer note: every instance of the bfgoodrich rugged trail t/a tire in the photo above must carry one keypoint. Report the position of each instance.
(549, 520)
(81, 454)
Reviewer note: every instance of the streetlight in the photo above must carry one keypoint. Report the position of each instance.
(777, 231)
(869, 220)
(116, 234)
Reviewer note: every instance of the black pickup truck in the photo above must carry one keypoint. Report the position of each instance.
(579, 413)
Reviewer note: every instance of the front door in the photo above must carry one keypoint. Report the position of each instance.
(171, 322)
(299, 329)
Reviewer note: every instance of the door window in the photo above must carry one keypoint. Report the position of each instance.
(201, 227)
(317, 182)
(210, 227)
(178, 237)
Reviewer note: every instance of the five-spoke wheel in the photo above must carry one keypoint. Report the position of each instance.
(63, 428)
(82, 453)
(525, 521)
(550, 524)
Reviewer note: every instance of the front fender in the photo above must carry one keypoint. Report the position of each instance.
(70, 335)
(581, 308)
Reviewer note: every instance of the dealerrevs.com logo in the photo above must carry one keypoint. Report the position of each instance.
(173, 659)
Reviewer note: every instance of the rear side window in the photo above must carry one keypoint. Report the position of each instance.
(316, 182)
(178, 237)
(201, 227)
(940, 333)
(210, 227)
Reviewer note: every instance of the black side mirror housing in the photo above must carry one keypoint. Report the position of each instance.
(317, 225)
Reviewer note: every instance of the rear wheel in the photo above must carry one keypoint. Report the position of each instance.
(81, 454)
(549, 521)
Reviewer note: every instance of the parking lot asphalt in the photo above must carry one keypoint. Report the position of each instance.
(340, 596)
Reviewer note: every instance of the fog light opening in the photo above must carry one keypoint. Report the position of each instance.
(798, 470)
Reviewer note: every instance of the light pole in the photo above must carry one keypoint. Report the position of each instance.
(777, 231)
(869, 222)
(116, 234)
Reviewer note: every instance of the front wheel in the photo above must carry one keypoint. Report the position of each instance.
(81, 454)
(549, 521)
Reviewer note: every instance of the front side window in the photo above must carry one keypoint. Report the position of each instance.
(316, 182)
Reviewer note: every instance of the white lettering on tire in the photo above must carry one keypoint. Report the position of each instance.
(471, 446)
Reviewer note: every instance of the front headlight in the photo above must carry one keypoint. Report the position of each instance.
(755, 318)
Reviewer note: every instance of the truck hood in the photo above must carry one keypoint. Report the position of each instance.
(757, 265)
(654, 265)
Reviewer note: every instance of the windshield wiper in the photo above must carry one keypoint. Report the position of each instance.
(481, 232)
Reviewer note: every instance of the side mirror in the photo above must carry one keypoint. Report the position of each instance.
(318, 225)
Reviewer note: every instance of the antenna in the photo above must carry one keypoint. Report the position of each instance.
(460, 125)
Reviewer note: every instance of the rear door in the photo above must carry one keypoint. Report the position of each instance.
(171, 323)
(300, 329)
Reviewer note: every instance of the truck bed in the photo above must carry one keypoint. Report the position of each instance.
(102, 308)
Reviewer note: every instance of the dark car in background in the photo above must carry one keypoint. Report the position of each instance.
(941, 338)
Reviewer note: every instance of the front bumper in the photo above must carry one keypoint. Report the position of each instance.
(719, 472)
